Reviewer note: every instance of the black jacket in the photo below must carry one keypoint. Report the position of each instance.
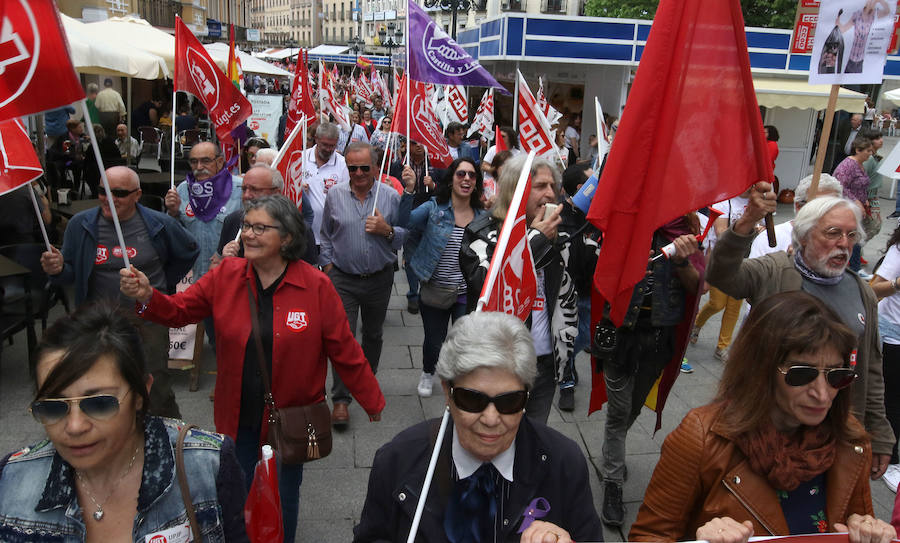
(547, 465)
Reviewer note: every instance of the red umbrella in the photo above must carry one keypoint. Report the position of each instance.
(262, 512)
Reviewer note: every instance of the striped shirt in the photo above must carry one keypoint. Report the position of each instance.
(447, 271)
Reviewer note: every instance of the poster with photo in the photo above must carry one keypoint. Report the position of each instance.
(851, 41)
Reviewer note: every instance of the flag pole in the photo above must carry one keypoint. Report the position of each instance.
(426, 168)
(413, 530)
(515, 113)
(381, 170)
(109, 196)
(823, 143)
(37, 212)
(172, 156)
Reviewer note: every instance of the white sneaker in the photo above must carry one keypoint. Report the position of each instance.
(426, 383)
(892, 476)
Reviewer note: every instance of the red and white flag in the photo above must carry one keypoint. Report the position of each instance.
(484, 116)
(19, 163)
(378, 86)
(534, 131)
(459, 107)
(543, 105)
(362, 89)
(291, 165)
(36, 73)
(424, 126)
(196, 73)
(328, 100)
(511, 282)
(398, 81)
(602, 134)
(301, 103)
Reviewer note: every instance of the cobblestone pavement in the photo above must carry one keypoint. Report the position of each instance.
(334, 488)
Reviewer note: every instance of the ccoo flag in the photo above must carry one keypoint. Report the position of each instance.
(36, 72)
(19, 163)
(435, 57)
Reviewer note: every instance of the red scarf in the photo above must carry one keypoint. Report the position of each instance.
(787, 460)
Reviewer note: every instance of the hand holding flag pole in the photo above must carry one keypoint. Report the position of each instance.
(669, 250)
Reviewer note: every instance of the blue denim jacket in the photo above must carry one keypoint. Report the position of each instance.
(175, 246)
(38, 501)
(430, 226)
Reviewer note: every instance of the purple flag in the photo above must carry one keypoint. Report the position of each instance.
(434, 57)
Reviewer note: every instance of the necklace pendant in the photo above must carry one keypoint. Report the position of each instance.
(98, 514)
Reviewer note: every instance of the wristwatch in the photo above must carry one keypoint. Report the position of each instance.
(390, 236)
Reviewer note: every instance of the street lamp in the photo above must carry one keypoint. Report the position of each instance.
(391, 38)
(356, 45)
(452, 6)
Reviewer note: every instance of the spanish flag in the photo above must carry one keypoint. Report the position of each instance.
(363, 62)
(235, 73)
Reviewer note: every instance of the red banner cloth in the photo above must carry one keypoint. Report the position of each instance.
(301, 98)
(262, 510)
(291, 168)
(424, 126)
(19, 163)
(196, 73)
(36, 73)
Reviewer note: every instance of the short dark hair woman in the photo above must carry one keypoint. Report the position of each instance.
(107, 472)
(777, 452)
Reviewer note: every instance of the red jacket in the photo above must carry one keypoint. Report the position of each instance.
(309, 324)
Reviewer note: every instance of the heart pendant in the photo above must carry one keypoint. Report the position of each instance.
(98, 515)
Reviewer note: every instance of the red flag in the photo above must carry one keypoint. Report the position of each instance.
(456, 97)
(692, 160)
(511, 282)
(37, 73)
(301, 97)
(196, 73)
(424, 126)
(19, 163)
(500, 141)
(329, 101)
(534, 131)
(262, 510)
(542, 102)
(291, 168)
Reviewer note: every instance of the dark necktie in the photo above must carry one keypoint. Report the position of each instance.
(472, 507)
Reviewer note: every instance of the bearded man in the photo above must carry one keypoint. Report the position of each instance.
(825, 231)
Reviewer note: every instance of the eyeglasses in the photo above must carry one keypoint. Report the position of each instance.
(798, 376)
(205, 160)
(97, 407)
(120, 193)
(834, 234)
(364, 168)
(258, 228)
(462, 174)
(473, 401)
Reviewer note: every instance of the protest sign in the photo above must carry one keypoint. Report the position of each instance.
(266, 112)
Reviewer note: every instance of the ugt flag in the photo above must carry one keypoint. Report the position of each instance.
(291, 164)
(301, 103)
(196, 73)
(36, 72)
(422, 126)
(437, 58)
(19, 163)
(511, 282)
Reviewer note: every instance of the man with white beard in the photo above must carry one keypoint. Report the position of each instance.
(825, 230)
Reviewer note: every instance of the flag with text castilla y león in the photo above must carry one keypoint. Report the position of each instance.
(36, 73)
(19, 163)
(534, 131)
(301, 103)
(680, 159)
(484, 117)
(436, 57)
(197, 74)
(424, 126)
(511, 282)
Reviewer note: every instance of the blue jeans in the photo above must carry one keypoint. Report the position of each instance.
(289, 478)
(582, 340)
(413, 281)
(435, 322)
(855, 256)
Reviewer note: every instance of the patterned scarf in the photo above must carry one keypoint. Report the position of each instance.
(811, 275)
(787, 460)
(208, 197)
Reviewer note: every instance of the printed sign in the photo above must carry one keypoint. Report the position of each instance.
(266, 112)
(181, 340)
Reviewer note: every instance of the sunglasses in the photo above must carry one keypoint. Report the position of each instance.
(97, 407)
(364, 167)
(120, 193)
(462, 174)
(473, 401)
(798, 376)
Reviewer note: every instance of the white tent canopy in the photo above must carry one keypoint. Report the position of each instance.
(249, 64)
(278, 53)
(329, 50)
(797, 93)
(137, 33)
(893, 96)
(92, 54)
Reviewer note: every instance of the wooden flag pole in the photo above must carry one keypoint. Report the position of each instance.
(823, 142)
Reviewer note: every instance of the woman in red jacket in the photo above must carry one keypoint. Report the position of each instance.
(302, 325)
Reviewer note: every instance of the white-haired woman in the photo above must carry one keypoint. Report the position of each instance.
(499, 474)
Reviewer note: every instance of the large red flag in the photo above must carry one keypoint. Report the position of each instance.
(262, 510)
(424, 126)
(301, 97)
(19, 163)
(196, 73)
(511, 282)
(534, 130)
(36, 72)
(680, 159)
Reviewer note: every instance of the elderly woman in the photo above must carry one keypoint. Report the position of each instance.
(499, 474)
(302, 324)
(107, 470)
(853, 177)
(777, 452)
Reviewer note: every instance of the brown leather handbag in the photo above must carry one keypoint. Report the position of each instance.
(299, 434)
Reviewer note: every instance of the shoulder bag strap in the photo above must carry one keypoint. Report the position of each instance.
(183, 482)
(260, 352)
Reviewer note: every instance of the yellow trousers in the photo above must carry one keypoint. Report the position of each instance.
(718, 301)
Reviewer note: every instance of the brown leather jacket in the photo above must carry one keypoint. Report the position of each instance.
(702, 475)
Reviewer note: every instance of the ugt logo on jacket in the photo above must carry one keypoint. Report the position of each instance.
(296, 320)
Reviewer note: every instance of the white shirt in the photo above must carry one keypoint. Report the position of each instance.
(889, 307)
(731, 210)
(466, 464)
(320, 180)
(783, 233)
(573, 138)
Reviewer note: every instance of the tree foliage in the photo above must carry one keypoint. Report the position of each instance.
(760, 13)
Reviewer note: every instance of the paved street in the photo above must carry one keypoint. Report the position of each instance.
(334, 488)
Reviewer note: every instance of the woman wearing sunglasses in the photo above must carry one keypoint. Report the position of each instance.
(107, 470)
(302, 324)
(500, 476)
(437, 226)
(777, 451)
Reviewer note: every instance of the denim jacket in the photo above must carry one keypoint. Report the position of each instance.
(176, 247)
(38, 501)
(667, 307)
(431, 225)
